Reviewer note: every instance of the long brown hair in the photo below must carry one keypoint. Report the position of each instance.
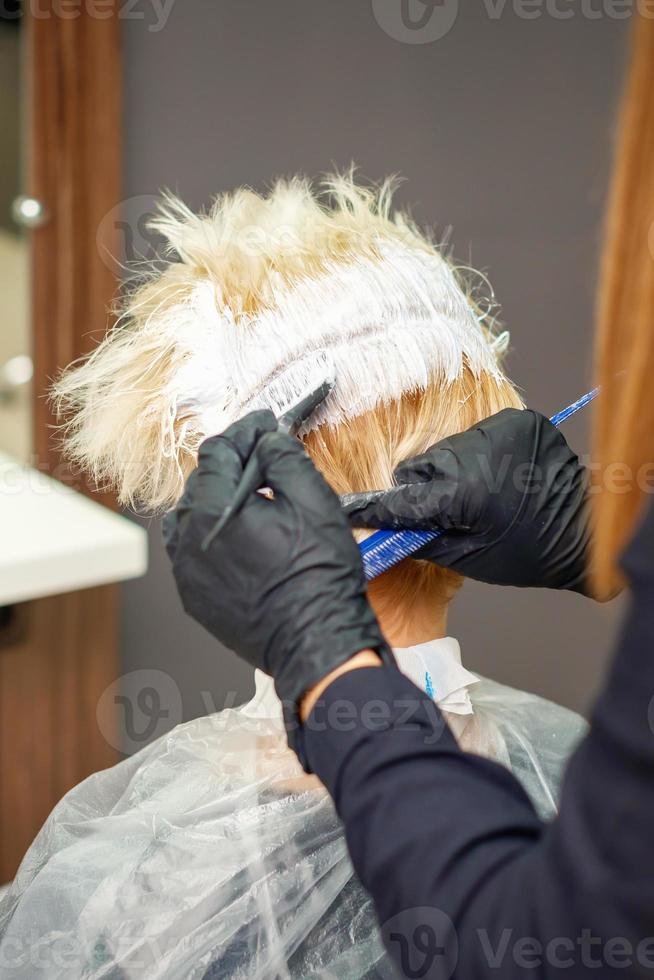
(624, 420)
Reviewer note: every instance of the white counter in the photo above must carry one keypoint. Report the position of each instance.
(53, 539)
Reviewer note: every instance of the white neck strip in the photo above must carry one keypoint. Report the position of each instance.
(435, 667)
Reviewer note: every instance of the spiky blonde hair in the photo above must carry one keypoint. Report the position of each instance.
(253, 286)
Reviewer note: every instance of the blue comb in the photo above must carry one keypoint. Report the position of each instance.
(383, 549)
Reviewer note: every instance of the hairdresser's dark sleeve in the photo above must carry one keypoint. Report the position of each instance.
(432, 828)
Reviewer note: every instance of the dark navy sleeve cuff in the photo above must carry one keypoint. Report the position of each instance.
(357, 708)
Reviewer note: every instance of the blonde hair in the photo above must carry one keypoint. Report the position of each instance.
(361, 454)
(624, 418)
(121, 421)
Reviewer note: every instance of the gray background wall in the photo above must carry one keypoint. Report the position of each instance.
(502, 128)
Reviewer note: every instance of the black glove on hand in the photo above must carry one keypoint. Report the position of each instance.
(282, 583)
(510, 494)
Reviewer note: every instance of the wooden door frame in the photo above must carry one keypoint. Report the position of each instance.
(54, 669)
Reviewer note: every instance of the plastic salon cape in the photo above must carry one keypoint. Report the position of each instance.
(211, 854)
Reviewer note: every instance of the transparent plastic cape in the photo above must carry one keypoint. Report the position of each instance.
(210, 854)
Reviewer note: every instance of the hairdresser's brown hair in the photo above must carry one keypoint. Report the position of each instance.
(624, 420)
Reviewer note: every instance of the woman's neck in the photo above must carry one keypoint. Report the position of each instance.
(413, 621)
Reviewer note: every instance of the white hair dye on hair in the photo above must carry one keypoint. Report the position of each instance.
(390, 324)
(234, 324)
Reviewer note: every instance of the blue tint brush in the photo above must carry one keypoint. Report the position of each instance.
(384, 549)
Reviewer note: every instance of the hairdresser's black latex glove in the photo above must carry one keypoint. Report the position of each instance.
(282, 583)
(510, 494)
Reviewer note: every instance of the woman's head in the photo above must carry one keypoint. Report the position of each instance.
(256, 287)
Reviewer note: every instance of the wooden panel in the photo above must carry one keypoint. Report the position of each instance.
(75, 171)
(59, 658)
(50, 683)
